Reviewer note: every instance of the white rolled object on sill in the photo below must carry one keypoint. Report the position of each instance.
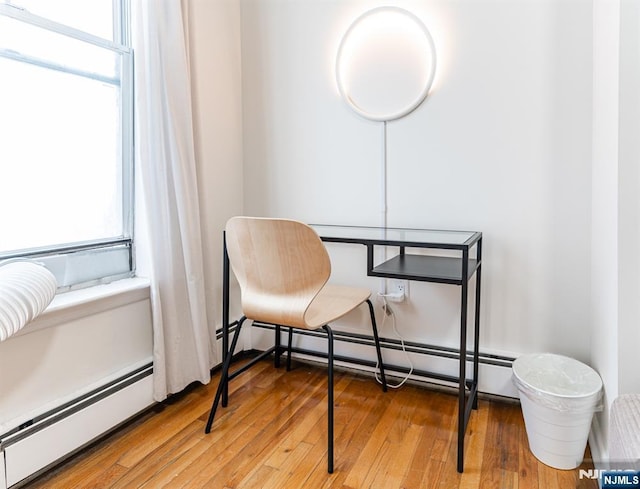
(26, 289)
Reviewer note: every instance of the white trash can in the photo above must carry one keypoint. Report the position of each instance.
(558, 396)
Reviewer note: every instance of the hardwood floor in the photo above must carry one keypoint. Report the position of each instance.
(273, 435)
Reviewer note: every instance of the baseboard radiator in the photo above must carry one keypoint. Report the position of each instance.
(39, 444)
(495, 375)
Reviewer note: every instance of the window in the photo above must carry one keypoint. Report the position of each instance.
(66, 123)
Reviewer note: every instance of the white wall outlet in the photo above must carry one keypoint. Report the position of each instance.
(398, 291)
(401, 287)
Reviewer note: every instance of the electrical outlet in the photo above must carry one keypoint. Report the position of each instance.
(398, 291)
(401, 287)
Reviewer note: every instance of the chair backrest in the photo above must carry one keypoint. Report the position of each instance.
(280, 264)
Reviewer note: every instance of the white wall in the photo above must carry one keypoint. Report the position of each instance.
(629, 196)
(502, 145)
(604, 258)
(214, 43)
(615, 265)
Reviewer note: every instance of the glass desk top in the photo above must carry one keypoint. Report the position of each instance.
(399, 236)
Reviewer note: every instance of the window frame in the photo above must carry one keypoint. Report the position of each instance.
(69, 261)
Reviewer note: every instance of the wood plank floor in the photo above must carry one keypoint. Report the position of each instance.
(273, 435)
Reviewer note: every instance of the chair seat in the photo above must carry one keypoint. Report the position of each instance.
(333, 302)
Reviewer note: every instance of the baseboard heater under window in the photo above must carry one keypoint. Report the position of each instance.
(38, 444)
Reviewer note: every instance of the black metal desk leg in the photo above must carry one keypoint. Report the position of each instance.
(462, 380)
(476, 333)
(369, 259)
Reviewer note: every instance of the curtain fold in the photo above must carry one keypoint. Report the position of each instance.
(170, 245)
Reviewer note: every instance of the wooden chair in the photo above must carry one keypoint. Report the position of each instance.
(282, 268)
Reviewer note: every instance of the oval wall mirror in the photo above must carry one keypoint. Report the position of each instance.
(385, 64)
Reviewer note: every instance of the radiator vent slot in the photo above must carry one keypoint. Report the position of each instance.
(44, 441)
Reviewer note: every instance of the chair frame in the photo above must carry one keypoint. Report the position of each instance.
(277, 348)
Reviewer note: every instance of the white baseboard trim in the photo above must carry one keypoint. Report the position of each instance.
(3, 475)
(599, 446)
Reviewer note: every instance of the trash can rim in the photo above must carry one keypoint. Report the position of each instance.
(594, 378)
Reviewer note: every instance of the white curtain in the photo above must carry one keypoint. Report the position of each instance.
(170, 244)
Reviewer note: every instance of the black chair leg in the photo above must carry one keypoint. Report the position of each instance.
(330, 405)
(377, 341)
(224, 377)
(289, 349)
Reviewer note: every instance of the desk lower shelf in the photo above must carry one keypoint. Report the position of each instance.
(424, 268)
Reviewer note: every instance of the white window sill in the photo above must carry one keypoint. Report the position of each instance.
(77, 304)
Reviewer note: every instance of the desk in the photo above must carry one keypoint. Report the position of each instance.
(457, 270)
